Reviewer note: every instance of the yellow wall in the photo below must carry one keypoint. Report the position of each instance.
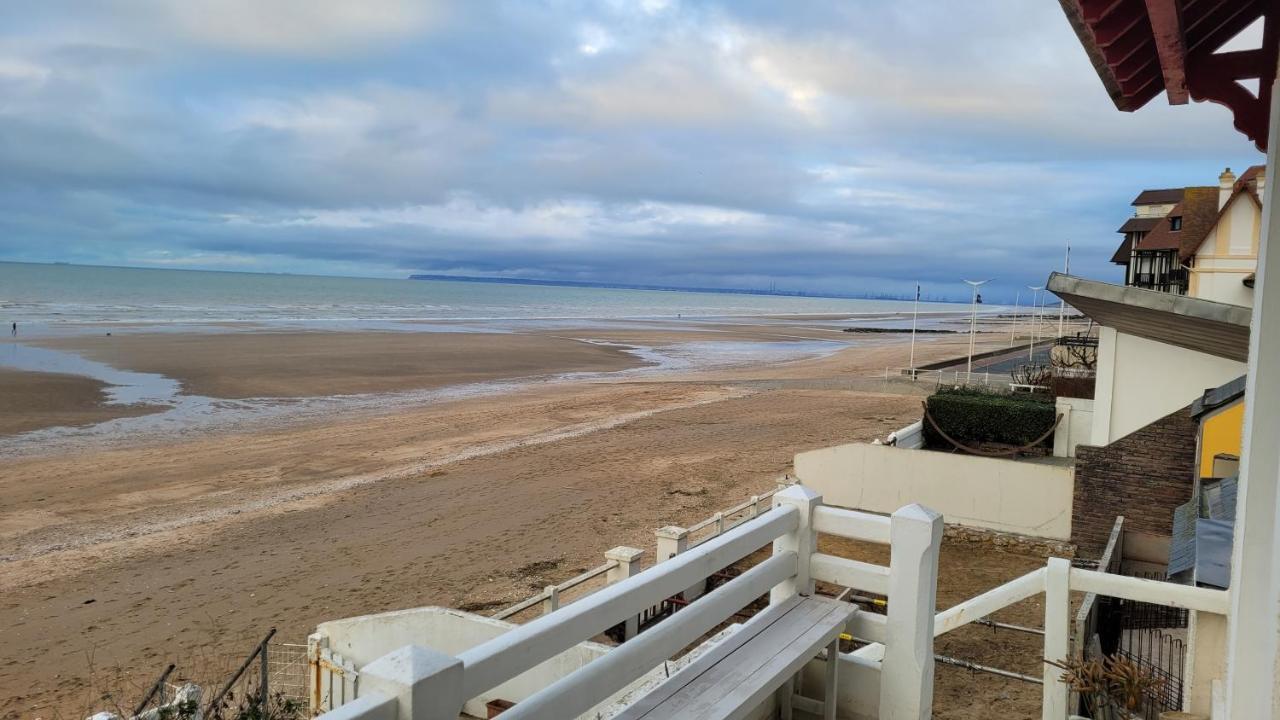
(1220, 434)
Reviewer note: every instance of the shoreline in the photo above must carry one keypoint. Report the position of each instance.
(158, 384)
(353, 513)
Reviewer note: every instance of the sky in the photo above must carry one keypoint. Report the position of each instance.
(822, 146)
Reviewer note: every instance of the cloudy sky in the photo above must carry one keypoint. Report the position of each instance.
(842, 146)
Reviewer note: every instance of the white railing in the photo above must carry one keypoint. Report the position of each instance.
(910, 437)
(423, 684)
(623, 562)
(947, 377)
(1057, 581)
(728, 519)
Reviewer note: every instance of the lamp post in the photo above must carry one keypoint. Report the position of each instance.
(1062, 307)
(973, 319)
(1014, 329)
(1035, 311)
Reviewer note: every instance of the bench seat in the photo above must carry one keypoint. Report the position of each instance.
(759, 660)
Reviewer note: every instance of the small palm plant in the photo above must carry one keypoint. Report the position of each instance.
(1112, 687)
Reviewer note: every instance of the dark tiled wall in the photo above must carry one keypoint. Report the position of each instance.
(1142, 476)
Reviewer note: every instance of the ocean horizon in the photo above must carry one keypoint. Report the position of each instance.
(59, 295)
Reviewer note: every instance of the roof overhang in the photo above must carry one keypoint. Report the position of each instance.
(1213, 328)
(1141, 48)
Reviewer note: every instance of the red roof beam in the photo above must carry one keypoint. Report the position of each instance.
(1166, 27)
(1117, 24)
(1211, 29)
(1094, 10)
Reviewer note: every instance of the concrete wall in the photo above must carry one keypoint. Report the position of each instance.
(1027, 497)
(1141, 381)
(1076, 427)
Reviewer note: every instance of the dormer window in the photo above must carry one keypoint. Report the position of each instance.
(1175, 223)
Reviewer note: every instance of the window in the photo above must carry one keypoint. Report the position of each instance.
(1175, 223)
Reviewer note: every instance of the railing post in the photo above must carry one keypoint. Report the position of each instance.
(672, 541)
(755, 505)
(1057, 608)
(628, 559)
(426, 684)
(803, 541)
(906, 675)
(551, 600)
(719, 522)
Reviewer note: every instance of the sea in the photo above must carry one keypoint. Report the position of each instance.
(47, 298)
(49, 301)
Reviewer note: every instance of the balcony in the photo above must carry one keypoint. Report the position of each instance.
(550, 669)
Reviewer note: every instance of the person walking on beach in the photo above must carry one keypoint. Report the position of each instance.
(14, 332)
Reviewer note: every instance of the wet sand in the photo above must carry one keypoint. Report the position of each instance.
(187, 550)
(34, 400)
(238, 365)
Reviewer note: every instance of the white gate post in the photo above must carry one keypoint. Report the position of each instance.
(906, 674)
(628, 559)
(426, 684)
(803, 541)
(1057, 609)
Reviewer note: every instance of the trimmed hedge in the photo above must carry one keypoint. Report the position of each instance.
(975, 416)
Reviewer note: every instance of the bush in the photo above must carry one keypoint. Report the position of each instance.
(973, 416)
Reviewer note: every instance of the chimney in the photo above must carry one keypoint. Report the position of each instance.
(1226, 186)
(1259, 181)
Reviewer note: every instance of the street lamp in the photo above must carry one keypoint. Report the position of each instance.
(973, 319)
(1035, 310)
(1013, 330)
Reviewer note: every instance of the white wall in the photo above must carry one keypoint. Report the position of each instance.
(1228, 254)
(1076, 427)
(1018, 496)
(1141, 381)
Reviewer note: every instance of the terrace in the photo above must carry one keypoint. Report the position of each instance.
(780, 664)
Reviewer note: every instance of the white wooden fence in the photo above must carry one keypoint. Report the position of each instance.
(623, 562)
(419, 683)
(423, 684)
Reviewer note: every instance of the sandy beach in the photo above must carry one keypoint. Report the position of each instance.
(116, 561)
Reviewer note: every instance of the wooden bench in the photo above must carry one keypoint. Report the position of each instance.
(761, 659)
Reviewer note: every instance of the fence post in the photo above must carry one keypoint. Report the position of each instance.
(551, 600)
(803, 541)
(628, 559)
(1057, 606)
(906, 675)
(755, 505)
(426, 684)
(315, 643)
(719, 520)
(263, 695)
(672, 541)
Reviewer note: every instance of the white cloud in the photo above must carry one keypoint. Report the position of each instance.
(299, 26)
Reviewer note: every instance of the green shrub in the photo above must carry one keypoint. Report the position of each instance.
(973, 416)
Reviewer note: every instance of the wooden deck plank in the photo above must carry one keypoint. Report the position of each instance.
(761, 657)
(707, 660)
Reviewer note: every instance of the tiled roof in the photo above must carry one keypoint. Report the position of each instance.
(1139, 224)
(1158, 197)
(1124, 252)
(1199, 213)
